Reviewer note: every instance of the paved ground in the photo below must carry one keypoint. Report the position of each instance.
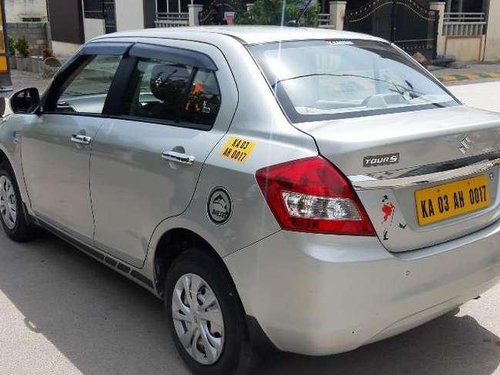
(21, 80)
(468, 72)
(63, 313)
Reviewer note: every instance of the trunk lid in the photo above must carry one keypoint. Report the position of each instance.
(401, 164)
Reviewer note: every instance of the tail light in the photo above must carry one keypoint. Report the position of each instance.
(311, 195)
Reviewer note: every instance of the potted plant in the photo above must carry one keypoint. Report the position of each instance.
(22, 52)
(12, 53)
(46, 53)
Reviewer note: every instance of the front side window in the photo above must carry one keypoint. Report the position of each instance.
(87, 88)
(328, 79)
(173, 93)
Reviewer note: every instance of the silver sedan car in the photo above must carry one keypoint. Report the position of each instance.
(307, 190)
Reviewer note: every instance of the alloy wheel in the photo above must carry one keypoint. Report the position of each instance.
(197, 318)
(8, 202)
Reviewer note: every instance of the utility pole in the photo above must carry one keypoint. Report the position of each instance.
(48, 31)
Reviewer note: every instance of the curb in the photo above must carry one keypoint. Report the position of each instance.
(468, 76)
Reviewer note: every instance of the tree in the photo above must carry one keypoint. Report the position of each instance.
(277, 12)
(12, 44)
(22, 47)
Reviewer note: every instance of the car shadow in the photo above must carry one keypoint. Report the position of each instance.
(106, 324)
(447, 345)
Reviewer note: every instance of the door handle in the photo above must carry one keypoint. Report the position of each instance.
(81, 139)
(178, 157)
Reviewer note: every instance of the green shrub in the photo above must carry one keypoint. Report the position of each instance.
(12, 48)
(22, 47)
(270, 12)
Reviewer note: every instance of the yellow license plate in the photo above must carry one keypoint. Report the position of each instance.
(450, 200)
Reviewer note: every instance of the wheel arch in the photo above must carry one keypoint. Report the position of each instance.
(179, 239)
(16, 169)
(174, 242)
(4, 158)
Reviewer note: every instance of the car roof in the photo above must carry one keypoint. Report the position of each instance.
(245, 34)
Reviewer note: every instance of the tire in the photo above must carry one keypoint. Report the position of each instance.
(234, 355)
(15, 222)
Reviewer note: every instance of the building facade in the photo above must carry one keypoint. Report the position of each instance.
(28, 19)
(18, 11)
(73, 22)
(463, 29)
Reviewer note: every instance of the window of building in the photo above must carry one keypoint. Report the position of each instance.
(465, 6)
(93, 9)
(172, 6)
(31, 19)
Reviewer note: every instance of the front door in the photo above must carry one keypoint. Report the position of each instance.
(56, 146)
(147, 159)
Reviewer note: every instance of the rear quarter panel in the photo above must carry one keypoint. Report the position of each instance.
(258, 119)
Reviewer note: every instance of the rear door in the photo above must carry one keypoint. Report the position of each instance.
(171, 107)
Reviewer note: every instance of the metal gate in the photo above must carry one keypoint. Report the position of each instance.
(407, 23)
(109, 16)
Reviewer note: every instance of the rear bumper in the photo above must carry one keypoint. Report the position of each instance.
(320, 294)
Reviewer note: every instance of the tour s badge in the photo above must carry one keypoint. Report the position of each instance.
(219, 206)
(379, 160)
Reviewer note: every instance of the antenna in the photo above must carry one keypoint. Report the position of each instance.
(296, 22)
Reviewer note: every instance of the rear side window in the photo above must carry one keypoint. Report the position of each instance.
(165, 91)
(87, 88)
(329, 79)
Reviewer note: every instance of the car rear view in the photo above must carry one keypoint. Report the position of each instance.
(394, 223)
(307, 189)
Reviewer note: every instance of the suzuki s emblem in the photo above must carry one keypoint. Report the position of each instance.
(465, 145)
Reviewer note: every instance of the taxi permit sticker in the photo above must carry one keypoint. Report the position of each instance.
(238, 149)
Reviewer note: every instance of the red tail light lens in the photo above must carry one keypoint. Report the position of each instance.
(311, 195)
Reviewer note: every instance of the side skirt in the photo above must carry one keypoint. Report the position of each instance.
(106, 259)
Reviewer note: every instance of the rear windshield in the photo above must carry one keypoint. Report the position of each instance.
(329, 79)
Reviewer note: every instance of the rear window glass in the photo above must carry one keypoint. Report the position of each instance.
(173, 93)
(320, 80)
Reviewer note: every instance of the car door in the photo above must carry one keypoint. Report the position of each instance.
(56, 146)
(171, 111)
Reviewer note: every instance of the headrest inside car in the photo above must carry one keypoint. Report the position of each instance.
(169, 82)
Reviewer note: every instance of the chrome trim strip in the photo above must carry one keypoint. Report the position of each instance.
(362, 182)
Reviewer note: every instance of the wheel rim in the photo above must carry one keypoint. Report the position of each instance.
(8, 202)
(198, 319)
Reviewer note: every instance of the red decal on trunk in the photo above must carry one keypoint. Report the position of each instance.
(387, 210)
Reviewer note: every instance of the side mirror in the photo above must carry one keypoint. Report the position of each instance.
(25, 101)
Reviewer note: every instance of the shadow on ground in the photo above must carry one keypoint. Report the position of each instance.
(447, 345)
(105, 324)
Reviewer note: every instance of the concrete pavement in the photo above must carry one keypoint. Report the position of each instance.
(63, 313)
(478, 72)
(22, 80)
